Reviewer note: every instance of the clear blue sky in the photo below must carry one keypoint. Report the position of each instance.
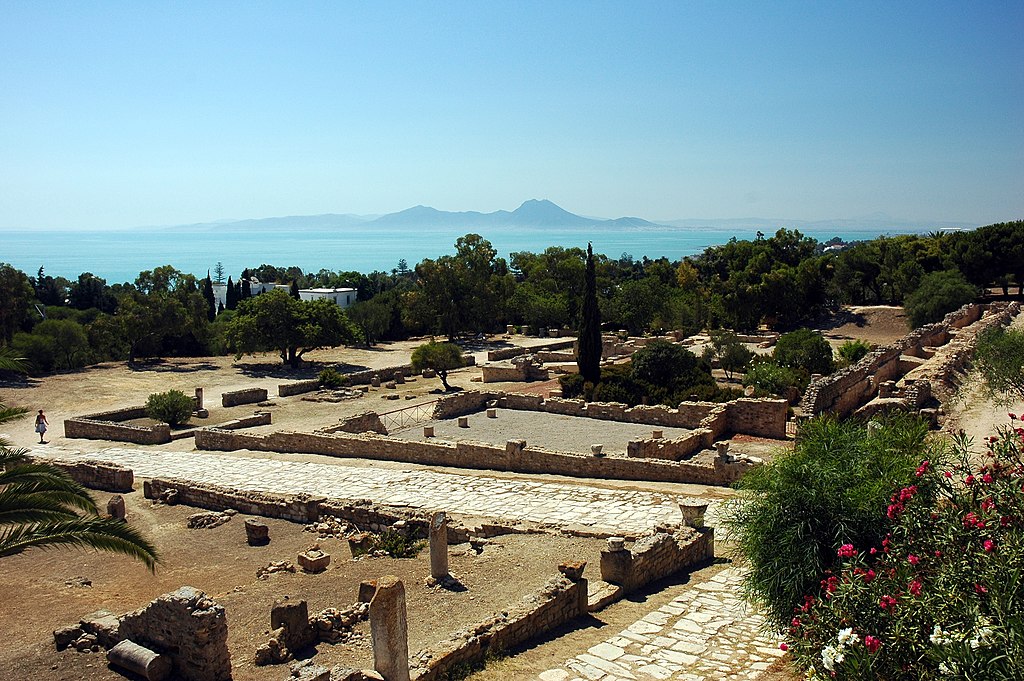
(143, 113)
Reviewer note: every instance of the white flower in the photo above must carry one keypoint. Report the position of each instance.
(847, 637)
(831, 656)
(940, 637)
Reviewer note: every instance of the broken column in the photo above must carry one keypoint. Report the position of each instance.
(256, 533)
(463, 422)
(139, 660)
(115, 507)
(439, 546)
(616, 562)
(199, 399)
(389, 630)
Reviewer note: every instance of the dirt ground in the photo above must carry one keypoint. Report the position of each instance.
(43, 591)
(876, 324)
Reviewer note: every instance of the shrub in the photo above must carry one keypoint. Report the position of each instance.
(853, 351)
(1000, 359)
(769, 378)
(832, 489)
(172, 407)
(804, 349)
(941, 595)
(571, 385)
(331, 378)
(397, 545)
(938, 294)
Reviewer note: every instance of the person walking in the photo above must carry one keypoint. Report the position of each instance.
(41, 425)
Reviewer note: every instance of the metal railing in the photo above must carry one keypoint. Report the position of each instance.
(408, 416)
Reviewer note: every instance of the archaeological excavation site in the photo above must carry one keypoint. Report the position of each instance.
(387, 529)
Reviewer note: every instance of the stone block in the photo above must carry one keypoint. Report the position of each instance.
(256, 533)
(115, 507)
(314, 561)
(140, 660)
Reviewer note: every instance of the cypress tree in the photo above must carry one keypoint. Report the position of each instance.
(231, 297)
(211, 300)
(293, 290)
(588, 357)
(245, 292)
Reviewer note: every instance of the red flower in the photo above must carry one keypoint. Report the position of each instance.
(987, 478)
(978, 588)
(948, 474)
(969, 480)
(869, 576)
(846, 551)
(989, 545)
(783, 647)
(872, 643)
(915, 588)
(1013, 417)
(912, 559)
(922, 469)
(887, 603)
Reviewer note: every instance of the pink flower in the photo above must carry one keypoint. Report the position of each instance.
(987, 478)
(873, 551)
(783, 647)
(980, 589)
(913, 560)
(872, 643)
(887, 603)
(915, 588)
(990, 546)
(922, 469)
(869, 576)
(846, 551)
(948, 474)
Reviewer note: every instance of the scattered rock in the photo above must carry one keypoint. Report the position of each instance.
(209, 519)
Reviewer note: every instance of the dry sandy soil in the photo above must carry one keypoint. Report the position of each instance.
(41, 591)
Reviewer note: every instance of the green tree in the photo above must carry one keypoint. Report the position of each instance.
(293, 289)
(852, 351)
(16, 296)
(211, 300)
(218, 273)
(804, 349)
(172, 407)
(938, 294)
(90, 291)
(731, 353)
(373, 317)
(589, 348)
(441, 357)
(276, 321)
(668, 372)
(999, 358)
(70, 342)
(770, 378)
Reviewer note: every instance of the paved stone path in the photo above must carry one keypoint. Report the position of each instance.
(610, 510)
(707, 632)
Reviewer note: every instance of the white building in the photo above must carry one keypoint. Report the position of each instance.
(342, 297)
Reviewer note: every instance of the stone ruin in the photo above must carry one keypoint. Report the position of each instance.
(293, 630)
(521, 368)
(185, 628)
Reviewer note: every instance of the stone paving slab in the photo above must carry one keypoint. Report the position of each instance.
(609, 510)
(706, 633)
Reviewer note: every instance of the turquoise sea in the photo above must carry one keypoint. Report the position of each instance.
(118, 256)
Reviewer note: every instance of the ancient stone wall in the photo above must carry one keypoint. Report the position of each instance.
(655, 556)
(107, 426)
(297, 388)
(260, 418)
(673, 449)
(512, 457)
(110, 477)
(461, 403)
(246, 396)
(846, 390)
(560, 601)
(366, 422)
(762, 418)
(508, 353)
(188, 627)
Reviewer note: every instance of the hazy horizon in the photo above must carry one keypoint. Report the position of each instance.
(123, 115)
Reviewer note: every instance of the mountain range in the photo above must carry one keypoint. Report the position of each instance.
(543, 213)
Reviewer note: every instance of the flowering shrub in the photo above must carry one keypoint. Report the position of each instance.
(942, 595)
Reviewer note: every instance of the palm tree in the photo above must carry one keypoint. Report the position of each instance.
(42, 507)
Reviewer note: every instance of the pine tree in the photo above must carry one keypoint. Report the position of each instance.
(218, 273)
(588, 356)
(231, 296)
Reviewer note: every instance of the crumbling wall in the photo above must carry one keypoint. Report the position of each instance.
(656, 555)
(561, 600)
(110, 477)
(674, 449)
(188, 627)
(260, 418)
(297, 388)
(245, 396)
(366, 422)
(462, 403)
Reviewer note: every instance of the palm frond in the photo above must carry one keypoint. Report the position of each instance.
(11, 362)
(10, 456)
(22, 509)
(101, 534)
(10, 413)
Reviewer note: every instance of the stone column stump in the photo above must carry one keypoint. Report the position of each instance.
(389, 630)
(439, 546)
(115, 507)
(256, 532)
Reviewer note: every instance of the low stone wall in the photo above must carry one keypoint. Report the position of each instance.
(367, 422)
(655, 556)
(108, 425)
(297, 388)
(508, 353)
(513, 457)
(561, 600)
(674, 449)
(246, 396)
(188, 627)
(758, 417)
(110, 477)
(299, 508)
(260, 418)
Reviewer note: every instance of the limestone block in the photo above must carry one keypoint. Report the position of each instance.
(115, 507)
(389, 630)
(292, 617)
(439, 546)
(256, 533)
(314, 560)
